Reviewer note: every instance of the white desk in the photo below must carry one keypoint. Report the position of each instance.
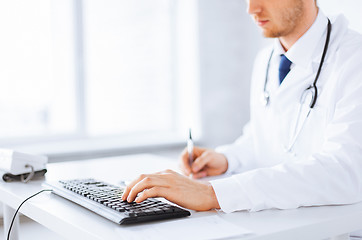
(75, 222)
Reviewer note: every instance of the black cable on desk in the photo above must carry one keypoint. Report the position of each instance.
(17, 210)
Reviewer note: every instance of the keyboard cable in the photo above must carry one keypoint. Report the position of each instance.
(17, 210)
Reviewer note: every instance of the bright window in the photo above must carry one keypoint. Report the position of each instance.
(80, 70)
(128, 66)
(37, 94)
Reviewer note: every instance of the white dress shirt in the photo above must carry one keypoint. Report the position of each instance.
(325, 166)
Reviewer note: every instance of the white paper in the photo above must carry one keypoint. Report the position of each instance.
(210, 227)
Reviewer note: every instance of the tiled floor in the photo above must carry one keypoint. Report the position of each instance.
(30, 230)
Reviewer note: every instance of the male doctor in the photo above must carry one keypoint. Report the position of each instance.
(303, 144)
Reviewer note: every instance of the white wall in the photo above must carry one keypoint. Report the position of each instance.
(229, 41)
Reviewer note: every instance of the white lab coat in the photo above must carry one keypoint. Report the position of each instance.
(327, 165)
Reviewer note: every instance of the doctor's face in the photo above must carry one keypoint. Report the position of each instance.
(276, 18)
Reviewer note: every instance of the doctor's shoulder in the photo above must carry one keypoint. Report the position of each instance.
(344, 40)
(264, 54)
(348, 65)
(259, 66)
(261, 60)
(349, 53)
(351, 44)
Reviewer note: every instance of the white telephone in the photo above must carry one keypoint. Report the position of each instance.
(18, 163)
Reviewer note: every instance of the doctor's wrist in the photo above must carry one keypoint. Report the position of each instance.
(213, 203)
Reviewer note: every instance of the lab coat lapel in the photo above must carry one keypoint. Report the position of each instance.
(292, 87)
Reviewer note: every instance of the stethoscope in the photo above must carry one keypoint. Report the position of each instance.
(311, 92)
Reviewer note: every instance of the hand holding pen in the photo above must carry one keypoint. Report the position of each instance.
(201, 162)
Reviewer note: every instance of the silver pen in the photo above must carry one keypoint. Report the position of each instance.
(190, 149)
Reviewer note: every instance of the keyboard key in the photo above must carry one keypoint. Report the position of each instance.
(157, 211)
(120, 209)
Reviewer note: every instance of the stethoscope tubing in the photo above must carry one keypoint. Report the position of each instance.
(313, 88)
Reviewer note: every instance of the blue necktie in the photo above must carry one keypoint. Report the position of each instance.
(284, 68)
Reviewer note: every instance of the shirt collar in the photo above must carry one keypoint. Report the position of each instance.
(302, 51)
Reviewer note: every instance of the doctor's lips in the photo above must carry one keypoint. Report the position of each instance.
(260, 22)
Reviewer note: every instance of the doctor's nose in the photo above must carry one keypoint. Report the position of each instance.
(253, 7)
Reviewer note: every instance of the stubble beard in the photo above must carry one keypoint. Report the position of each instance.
(289, 19)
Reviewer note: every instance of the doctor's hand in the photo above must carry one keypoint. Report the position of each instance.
(207, 162)
(174, 187)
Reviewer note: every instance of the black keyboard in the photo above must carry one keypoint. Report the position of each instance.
(105, 200)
